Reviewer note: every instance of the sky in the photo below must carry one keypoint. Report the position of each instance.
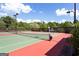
(38, 12)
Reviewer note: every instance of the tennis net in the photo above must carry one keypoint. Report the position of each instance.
(41, 36)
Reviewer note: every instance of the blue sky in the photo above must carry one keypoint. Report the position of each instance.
(48, 11)
(39, 11)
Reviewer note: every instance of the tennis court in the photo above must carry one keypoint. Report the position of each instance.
(10, 42)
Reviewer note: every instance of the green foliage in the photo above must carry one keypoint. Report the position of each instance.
(11, 24)
(2, 25)
(52, 24)
(43, 26)
(75, 38)
(77, 24)
(66, 24)
(8, 21)
(23, 26)
(20, 28)
(34, 25)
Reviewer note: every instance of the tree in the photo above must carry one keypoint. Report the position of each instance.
(52, 24)
(75, 39)
(66, 24)
(23, 26)
(8, 21)
(43, 26)
(2, 25)
(27, 26)
(34, 26)
(77, 24)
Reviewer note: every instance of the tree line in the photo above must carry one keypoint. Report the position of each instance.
(10, 23)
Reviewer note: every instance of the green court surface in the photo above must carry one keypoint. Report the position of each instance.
(11, 43)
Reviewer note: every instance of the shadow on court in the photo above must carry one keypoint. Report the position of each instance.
(36, 37)
(57, 50)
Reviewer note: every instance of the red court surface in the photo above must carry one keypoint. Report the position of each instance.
(2, 34)
(43, 48)
(7, 34)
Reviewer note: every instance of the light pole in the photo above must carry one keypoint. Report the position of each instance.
(74, 13)
(75, 20)
(16, 21)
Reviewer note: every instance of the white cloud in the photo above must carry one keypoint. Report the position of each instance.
(52, 21)
(15, 8)
(45, 21)
(21, 20)
(77, 13)
(3, 14)
(36, 20)
(30, 20)
(61, 12)
(25, 9)
(63, 20)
